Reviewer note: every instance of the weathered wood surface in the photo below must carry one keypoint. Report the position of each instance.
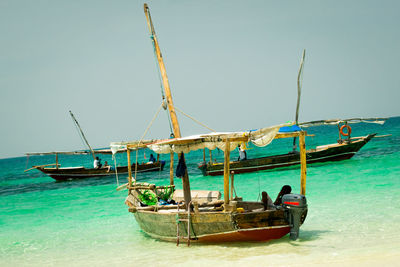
(201, 196)
(41, 166)
(213, 204)
(186, 186)
(227, 154)
(303, 164)
(167, 90)
(232, 184)
(171, 169)
(215, 226)
(259, 219)
(128, 153)
(163, 225)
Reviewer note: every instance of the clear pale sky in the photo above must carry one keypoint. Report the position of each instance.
(231, 64)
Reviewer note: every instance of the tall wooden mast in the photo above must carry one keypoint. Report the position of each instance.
(83, 135)
(296, 120)
(167, 90)
(170, 104)
(299, 86)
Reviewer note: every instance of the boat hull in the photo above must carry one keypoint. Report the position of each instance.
(335, 152)
(256, 234)
(65, 174)
(215, 227)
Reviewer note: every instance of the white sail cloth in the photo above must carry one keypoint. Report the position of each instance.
(261, 137)
(380, 121)
(116, 147)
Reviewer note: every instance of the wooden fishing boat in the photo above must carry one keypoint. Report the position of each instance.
(206, 218)
(324, 153)
(345, 148)
(200, 216)
(71, 173)
(80, 172)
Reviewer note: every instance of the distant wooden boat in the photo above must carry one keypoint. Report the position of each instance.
(70, 173)
(80, 172)
(345, 148)
(331, 152)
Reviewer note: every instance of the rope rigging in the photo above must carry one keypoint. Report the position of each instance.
(151, 123)
(80, 137)
(164, 101)
(198, 122)
(144, 134)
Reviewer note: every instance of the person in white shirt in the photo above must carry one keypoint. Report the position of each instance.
(96, 163)
(242, 153)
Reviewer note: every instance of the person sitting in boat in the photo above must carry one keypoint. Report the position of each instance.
(152, 159)
(96, 163)
(242, 153)
(107, 166)
(267, 201)
(286, 189)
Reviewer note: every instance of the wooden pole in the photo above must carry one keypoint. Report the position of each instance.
(171, 169)
(56, 161)
(227, 153)
(83, 135)
(210, 156)
(204, 154)
(170, 104)
(128, 153)
(296, 120)
(39, 166)
(303, 160)
(340, 136)
(187, 196)
(232, 182)
(171, 108)
(299, 86)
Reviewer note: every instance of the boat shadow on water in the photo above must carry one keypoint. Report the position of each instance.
(50, 184)
(15, 183)
(45, 186)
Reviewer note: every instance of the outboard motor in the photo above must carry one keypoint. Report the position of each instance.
(295, 206)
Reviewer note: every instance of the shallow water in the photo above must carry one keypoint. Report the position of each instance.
(352, 220)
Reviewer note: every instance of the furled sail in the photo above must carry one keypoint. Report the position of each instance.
(337, 121)
(116, 147)
(261, 137)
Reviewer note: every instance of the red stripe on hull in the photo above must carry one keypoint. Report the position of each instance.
(247, 235)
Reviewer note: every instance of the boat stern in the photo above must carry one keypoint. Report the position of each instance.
(295, 207)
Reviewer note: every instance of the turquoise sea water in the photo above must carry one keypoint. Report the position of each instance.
(353, 218)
